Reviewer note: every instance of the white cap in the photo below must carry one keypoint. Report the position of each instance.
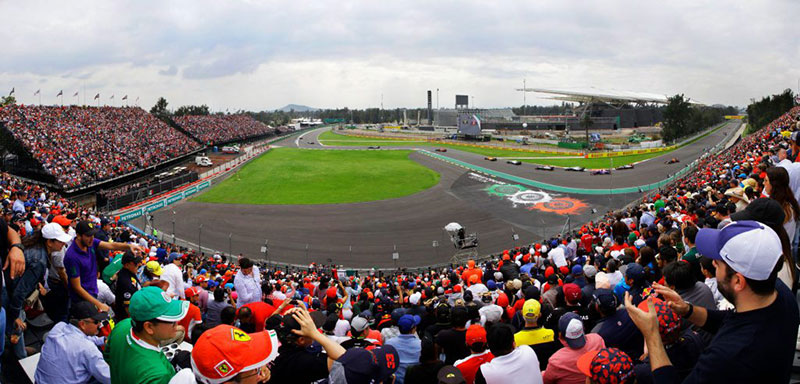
(414, 298)
(53, 231)
(748, 247)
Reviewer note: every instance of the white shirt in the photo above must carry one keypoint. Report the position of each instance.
(248, 287)
(104, 293)
(519, 366)
(173, 275)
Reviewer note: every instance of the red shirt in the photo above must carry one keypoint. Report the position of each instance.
(193, 317)
(261, 312)
(470, 364)
(586, 241)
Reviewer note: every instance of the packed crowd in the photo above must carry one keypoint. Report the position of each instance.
(81, 145)
(694, 284)
(212, 129)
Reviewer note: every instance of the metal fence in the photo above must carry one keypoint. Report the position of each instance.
(144, 192)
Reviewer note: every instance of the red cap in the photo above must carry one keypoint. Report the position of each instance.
(572, 292)
(62, 220)
(331, 292)
(475, 334)
(225, 351)
(506, 256)
(502, 300)
(199, 279)
(457, 288)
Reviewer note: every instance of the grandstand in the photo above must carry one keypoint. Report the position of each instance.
(222, 129)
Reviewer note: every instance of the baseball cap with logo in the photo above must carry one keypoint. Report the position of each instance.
(406, 322)
(151, 303)
(606, 366)
(361, 366)
(53, 231)
(748, 247)
(359, 324)
(475, 334)
(85, 228)
(450, 375)
(531, 309)
(572, 293)
(224, 351)
(669, 323)
(570, 327)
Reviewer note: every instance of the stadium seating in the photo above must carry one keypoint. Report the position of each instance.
(214, 129)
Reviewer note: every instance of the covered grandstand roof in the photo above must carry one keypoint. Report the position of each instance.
(593, 95)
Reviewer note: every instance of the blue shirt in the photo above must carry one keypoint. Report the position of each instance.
(408, 349)
(84, 265)
(69, 356)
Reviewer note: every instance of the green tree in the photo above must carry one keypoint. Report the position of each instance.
(192, 110)
(7, 100)
(160, 109)
(586, 123)
(676, 118)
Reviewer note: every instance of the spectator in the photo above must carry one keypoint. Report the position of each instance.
(133, 350)
(247, 283)
(360, 365)
(427, 371)
(173, 275)
(127, 284)
(511, 363)
(615, 326)
(215, 308)
(452, 341)
(71, 353)
(679, 277)
(476, 341)
(295, 363)
(228, 354)
(407, 344)
(561, 367)
(360, 332)
(756, 342)
(535, 335)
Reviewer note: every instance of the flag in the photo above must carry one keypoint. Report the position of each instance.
(137, 99)
(75, 95)
(12, 92)
(112, 97)
(37, 92)
(125, 97)
(60, 93)
(97, 96)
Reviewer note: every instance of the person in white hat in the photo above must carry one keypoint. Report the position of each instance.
(754, 343)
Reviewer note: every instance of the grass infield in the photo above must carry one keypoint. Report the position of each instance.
(297, 176)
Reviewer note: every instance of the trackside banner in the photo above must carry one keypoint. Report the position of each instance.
(130, 215)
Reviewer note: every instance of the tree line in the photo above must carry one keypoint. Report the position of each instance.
(682, 118)
(762, 112)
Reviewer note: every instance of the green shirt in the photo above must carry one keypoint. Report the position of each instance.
(132, 360)
(659, 204)
(691, 256)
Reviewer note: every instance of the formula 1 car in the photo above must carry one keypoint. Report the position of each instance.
(514, 162)
(626, 166)
(545, 168)
(441, 149)
(672, 161)
(310, 142)
(601, 172)
(490, 158)
(575, 169)
(374, 147)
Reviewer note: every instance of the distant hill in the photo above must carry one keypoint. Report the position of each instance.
(297, 108)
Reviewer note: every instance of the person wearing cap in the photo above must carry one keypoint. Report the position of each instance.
(127, 284)
(71, 353)
(561, 367)
(56, 299)
(407, 344)
(247, 283)
(150, 272)
(476, 341)
(452, 341)
(362, 366)
(534, 334)
(134, 347)
(512, 363)
(756, 342)
(295, 362)
(360, 334)
(173, 275)
(80, 261)
(607, 366)
(689, 234)
(635, 282)
(226, 354)
(614, 325)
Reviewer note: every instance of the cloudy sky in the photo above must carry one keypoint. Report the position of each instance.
(259, 55)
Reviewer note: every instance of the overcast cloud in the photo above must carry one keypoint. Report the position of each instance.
(263, 55)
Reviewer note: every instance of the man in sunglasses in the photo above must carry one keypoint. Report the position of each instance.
(70, 353)
(134, 346)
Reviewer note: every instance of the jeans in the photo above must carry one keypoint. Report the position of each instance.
(35, 265)
(2, 333)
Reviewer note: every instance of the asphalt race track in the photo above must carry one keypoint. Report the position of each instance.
(365, 235)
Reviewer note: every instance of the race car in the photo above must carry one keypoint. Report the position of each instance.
(514, 162)
(672, 161)
(310, 142)
(490, 158)
(575, 169)
(626, 166)
(545, 168)
(374, 147)
(441, 149)
(601, 172)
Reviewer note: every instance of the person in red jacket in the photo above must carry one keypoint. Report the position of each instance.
(476, 341)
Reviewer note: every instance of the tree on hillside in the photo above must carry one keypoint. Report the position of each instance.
(160, 109)
(676, 118)
(586, 123)
(7, 100)
(192, 110)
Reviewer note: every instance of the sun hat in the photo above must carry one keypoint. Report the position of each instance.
(224, 351)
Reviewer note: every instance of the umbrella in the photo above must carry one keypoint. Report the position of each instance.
(452, 227)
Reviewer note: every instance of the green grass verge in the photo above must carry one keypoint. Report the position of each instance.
(298, 176)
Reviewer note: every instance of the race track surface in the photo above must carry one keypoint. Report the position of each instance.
(365, 235)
